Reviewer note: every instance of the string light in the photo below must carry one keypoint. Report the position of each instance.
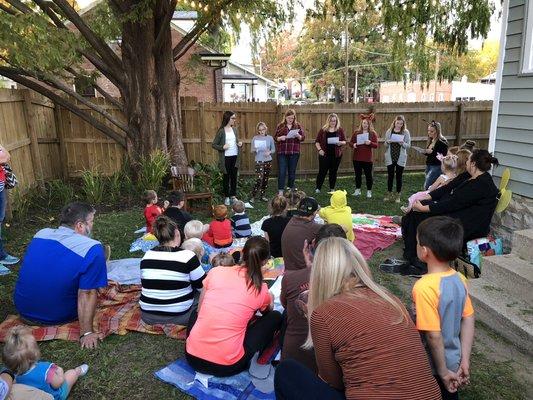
(206, 7)
(193, 4)
(200, 5)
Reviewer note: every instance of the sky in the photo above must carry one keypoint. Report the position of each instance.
(242, 51)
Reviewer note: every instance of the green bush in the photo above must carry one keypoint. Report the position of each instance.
(93, 186)
(152, 170)
(57, 193)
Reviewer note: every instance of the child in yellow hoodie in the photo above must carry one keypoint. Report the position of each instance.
(339, 213)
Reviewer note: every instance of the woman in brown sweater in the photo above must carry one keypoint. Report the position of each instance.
(366, 346)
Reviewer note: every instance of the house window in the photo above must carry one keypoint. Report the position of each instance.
(527, 50)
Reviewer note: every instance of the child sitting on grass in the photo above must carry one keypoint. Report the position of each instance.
(444, 312)
(240, 221)
(21, 355)
(448, 167)
(222, 259)
(197, 247)
(151, 209)
(339, 213)
(219, 233)
(274, 226)
(195, 229)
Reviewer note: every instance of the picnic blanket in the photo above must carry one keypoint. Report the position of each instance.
(118, 313)
(4, 270)
(242, 386)
(374, 232)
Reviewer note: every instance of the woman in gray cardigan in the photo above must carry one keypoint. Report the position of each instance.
(396, 155)
(227, 143)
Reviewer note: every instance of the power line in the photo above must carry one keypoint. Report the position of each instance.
(350, 66)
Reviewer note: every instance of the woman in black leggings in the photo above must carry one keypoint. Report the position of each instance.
(397, 141)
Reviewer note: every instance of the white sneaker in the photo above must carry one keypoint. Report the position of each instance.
(226, 201)
(248, 205)
(317, 190)
(357, 192)
(369, 194)
(83, 369)
(280, 192)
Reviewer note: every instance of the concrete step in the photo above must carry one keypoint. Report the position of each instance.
(505, 313)
(511, 273)
(523, 244)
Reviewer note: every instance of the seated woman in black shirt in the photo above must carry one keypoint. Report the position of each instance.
(275, 225)
(471, 198)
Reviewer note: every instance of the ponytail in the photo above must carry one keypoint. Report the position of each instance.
(255, 253)
(483, 160)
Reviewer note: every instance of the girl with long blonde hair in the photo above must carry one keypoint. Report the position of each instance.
(437, 144)
(365, 343)
(329, 142)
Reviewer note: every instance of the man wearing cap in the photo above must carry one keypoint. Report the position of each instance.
(300, 228)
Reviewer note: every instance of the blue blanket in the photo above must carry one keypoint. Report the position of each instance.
(241, 386)
(4, 270)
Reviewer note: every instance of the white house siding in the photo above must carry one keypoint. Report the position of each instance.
(514, 127)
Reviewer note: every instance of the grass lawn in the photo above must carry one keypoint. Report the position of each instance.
(122, 367)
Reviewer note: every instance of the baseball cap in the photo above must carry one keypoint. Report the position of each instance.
(307, 206)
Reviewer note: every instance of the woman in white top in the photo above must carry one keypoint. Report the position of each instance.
(397, 141)
(228, 145)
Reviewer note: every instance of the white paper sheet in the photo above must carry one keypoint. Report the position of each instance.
(260, 144)
(333, 140)
(362, 138)
(396, 138)
(292, 133)
(418, 149)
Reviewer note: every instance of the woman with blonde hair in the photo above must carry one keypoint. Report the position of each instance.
(397, 141)
(328, 143)
(366, 345)
(437, 144)
(289, 135)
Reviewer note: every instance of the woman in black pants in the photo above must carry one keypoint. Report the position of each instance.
(363, 140)
(227, 143)
(329, 142)
(397, 141)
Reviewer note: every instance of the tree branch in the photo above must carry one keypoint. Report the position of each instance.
(17, 76)
(166, 20)
(8, 10)
(51, 13)
(99, 45)
(20, 6)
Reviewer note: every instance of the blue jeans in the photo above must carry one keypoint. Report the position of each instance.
(293, 380)
(287, 162)
(432, 173)
(3, 201)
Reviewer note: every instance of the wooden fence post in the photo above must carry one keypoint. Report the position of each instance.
(63, 158)
(34, 143)
(201, 126)
(459, 124)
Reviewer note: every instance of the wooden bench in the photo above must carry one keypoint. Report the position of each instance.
(194, 201)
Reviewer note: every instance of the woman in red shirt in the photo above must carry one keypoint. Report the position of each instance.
(364, 139)
(225, 334)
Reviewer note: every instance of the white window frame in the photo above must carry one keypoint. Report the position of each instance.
(526, 65)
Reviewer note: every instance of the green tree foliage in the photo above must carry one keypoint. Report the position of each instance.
(474, 64)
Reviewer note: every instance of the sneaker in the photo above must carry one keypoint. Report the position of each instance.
(388, 196)
(82, 369)
(248, 205)
(226, 201)
(369, 194)
(390, 268)
(10, 260)
(357, 192)
(233, 199)
(252, 200)
(398, 200)
(317, 191)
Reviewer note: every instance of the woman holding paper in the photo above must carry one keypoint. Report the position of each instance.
(328, 143)
(263, 146)
(228, 145)
(437, 144)
(364, 139)
(289, 135)
(397, 141)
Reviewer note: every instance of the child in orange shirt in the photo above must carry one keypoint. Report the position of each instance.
(444, 312)
(151, 209)
(219, 233)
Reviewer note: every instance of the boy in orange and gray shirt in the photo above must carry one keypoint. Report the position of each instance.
(444, 312)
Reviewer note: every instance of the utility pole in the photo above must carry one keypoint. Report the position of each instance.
(355, 86)
(437, 66)
(346, 70)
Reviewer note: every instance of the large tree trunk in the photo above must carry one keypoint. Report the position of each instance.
(151, 93)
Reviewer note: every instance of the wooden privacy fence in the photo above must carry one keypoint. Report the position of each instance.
(48, 142)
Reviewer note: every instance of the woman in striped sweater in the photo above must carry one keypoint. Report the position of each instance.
(366, 346)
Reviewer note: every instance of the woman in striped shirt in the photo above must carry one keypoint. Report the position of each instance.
(171, 278)
(366, 346)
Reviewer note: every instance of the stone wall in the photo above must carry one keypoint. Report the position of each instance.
(518, 216)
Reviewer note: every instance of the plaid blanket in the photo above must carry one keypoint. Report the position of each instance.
(118, 313)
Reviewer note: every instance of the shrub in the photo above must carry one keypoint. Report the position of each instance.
(93, 186)
(152, 170)
(57, 193)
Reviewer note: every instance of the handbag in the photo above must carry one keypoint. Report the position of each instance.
(11, 178)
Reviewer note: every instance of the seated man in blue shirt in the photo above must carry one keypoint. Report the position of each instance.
(61, 272)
